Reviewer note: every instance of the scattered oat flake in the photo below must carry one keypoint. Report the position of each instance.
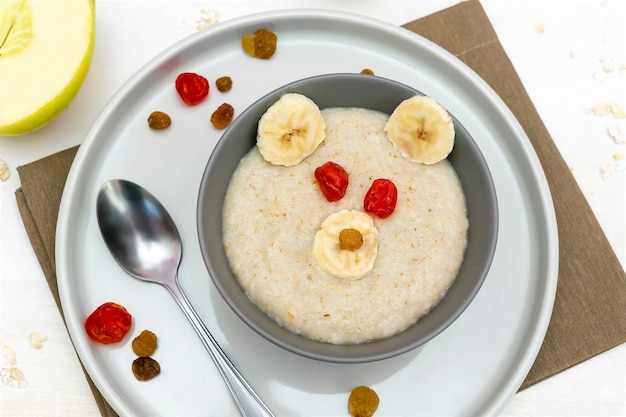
(9, 354)
(13, 377)
(601, 109)
(608, 67)
(618, 111)
(207, 18)
(620, 161)
(37, 339)
(539, 28)
(605, 109)
(9, 373)
(4, 171)
(608, 170)
(617, 134)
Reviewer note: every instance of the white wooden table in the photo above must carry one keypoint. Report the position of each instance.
(571, 55)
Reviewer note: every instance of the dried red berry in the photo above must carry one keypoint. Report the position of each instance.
(192, 88)
(333, 180)
(381, 198)
(109, 323)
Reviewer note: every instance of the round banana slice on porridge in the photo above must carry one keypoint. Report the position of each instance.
(421, 129)
(290, 130)
(346, 244)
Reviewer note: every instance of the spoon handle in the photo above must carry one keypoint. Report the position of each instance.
(248, 402)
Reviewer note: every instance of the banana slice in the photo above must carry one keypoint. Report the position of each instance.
(290, 130)
(337, 254)
(421, 129)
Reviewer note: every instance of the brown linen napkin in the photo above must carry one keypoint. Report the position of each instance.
(38, 200)
(588, 316)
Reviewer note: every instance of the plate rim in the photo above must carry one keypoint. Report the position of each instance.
(83, 156)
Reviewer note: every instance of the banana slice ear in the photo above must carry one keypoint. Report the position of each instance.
(290, 130)
(421, 130)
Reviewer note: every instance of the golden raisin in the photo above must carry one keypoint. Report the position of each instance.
(222, 116)
(247, 43)
(367, 71)
(224, 84)
(350, 239)
(260, 44)
(159, 120)
(145, 368)
(264, 43)
(363, 402)
(145, 344)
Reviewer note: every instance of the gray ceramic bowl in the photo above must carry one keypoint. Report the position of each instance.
(348, 90)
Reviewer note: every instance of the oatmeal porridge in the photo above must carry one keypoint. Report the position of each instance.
(272, 214)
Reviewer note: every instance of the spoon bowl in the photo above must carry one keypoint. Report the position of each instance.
(139, 232)
(144, 240)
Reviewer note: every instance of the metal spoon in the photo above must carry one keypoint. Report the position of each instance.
(145, 242)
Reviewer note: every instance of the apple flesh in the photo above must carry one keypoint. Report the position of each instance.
(45, 53)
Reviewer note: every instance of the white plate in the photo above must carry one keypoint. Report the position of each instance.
(473, 368)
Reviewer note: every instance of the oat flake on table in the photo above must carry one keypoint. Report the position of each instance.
(617, 134)
(608, 170)
(5, 173)
(208, 17)
(618, 111)
(540, 29)
(9, 373)
(37, 339)
(620, 161)
(601, 109)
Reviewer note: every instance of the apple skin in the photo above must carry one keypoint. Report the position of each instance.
(50, 110)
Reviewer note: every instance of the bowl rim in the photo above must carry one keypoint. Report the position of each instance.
(376, 350)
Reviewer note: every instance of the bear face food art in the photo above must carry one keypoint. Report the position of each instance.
(347, 225)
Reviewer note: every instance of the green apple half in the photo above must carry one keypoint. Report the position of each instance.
(46, 48)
